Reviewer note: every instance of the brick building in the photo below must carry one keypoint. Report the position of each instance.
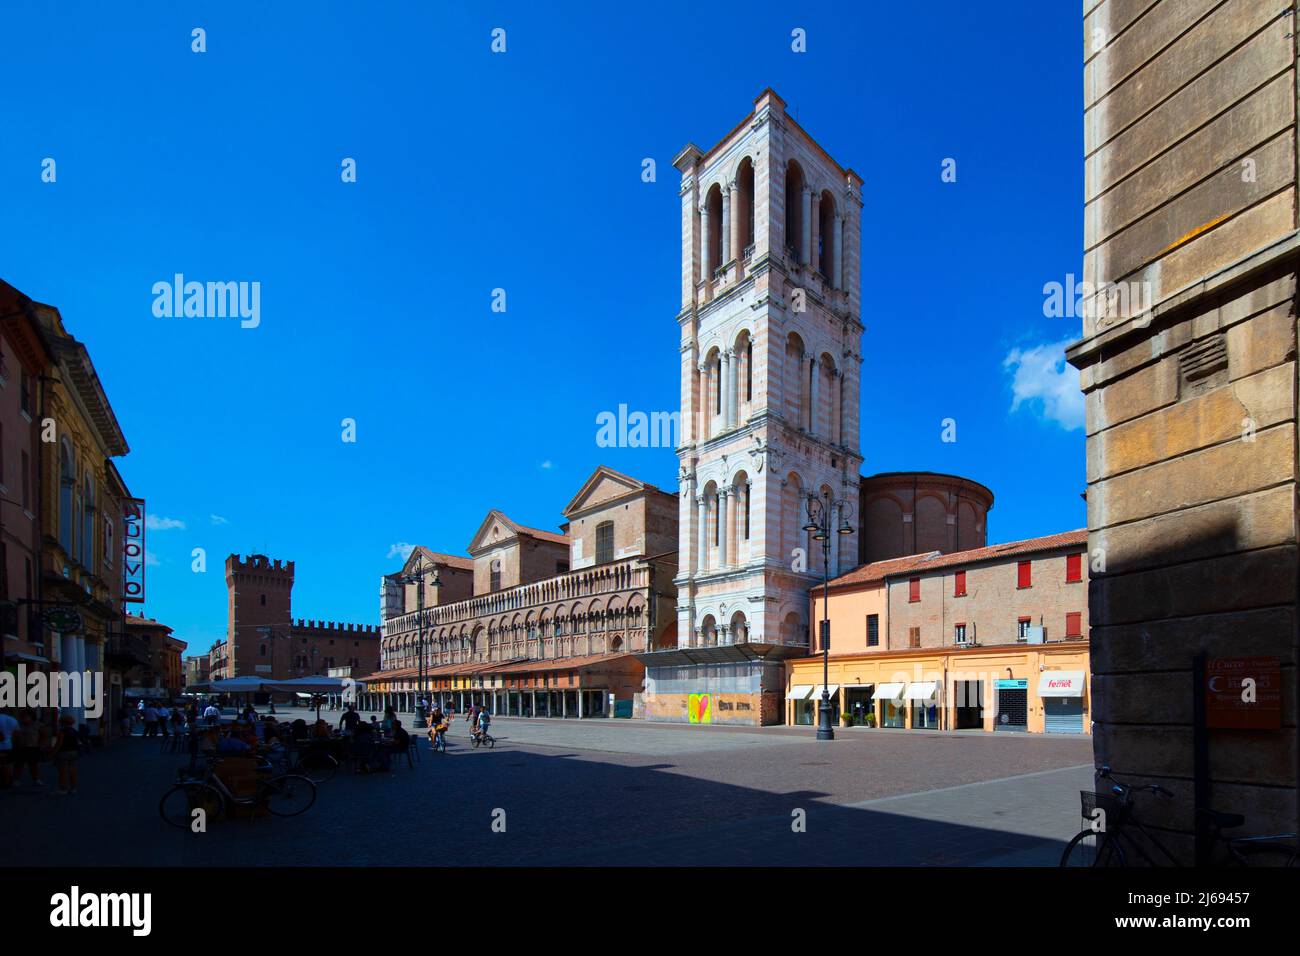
(912, 512)
(993, 638)
(1188, 369)
(161, 667)
(25, 358)
(263, 639)
(551, 620)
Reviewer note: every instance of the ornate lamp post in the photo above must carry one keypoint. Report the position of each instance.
(821, 523)
(416, 576)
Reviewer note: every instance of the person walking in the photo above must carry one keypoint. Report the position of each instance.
(8, 728)
(29, 740)
(150, 714)
(64, 753)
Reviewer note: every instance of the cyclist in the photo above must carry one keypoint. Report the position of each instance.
(484, 718)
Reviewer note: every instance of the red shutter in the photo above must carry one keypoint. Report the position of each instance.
(1074, 567)
(914, 590)
(1023, 579)
(959, 585)
(1074, 624)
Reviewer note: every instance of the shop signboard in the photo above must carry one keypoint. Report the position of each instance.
(1243, 693)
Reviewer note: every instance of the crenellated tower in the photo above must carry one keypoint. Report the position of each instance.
(259, 596)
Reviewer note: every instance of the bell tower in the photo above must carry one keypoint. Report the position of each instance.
(770, 337)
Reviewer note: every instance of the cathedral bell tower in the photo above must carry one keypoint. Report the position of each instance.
(770, 337)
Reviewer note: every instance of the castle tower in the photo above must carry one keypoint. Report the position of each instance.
(770, 324)
(259, 591)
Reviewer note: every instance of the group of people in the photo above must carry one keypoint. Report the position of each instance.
(26, 741)
(478, 717)
(374, 739)
(157, 718)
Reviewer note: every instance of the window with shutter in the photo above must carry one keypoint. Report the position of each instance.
(1073, 567)
(1023, 577)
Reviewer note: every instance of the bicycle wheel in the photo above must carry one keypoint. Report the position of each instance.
(474, 741)
(317, 767)
(490, 741)
(178, 804)
(287, 795)
(1090, 848)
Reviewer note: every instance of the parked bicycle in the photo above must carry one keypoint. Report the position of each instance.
(1111, 838)
(281, 794)
(316, 765)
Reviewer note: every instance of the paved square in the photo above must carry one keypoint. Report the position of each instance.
(605, 793)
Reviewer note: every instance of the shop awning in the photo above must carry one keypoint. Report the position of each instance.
(924, 691)
(1061, 684)
(799, 692)
(890, 691)
(817, 691)
(29, 658)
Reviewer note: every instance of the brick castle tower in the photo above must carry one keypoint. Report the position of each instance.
(263, 639)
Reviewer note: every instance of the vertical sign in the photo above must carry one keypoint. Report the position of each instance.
(133, 550)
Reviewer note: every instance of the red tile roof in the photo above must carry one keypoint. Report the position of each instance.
(877, 571)
(451, 560)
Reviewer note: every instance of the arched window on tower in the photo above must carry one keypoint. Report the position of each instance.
(826, 239)
(794, 183)
(745, 183)
(494, 575)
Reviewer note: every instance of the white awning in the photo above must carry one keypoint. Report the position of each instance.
(1061, 684)
(890, 691)
(799, 692)
(817, 691)
(924, 691)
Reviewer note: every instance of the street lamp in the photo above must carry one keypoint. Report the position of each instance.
(416, 576)
(821, 510)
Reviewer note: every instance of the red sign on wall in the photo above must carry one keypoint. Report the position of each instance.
(1243, 693)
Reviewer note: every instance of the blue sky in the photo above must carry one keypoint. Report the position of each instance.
(520, 171)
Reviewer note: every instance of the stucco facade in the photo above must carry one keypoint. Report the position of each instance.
(957, 637)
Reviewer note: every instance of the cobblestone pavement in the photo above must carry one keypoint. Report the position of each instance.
(604, 793)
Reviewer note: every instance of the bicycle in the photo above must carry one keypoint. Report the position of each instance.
(438, 738)
(316, 765)
(1103, 842)
(481, 738)
(282, 795)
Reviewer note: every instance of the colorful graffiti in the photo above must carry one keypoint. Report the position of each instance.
(700, 709)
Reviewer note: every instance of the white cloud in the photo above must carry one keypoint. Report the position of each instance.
(400, 550)
(1040, 376)
(547, 465)
(158, 523)
(217, 519)
(149, 560)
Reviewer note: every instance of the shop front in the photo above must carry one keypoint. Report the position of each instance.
(1062, 693)
(1039, 688)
